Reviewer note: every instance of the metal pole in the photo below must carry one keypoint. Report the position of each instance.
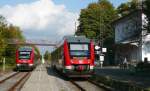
(100, 40)
(75, 27)
(4, 64)
(101, 30)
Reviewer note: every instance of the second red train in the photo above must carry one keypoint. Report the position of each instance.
(75, 57)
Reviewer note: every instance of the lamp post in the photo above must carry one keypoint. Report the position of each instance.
(101, 39)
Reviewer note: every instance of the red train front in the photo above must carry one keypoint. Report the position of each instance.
(25, 58)
(75, 57)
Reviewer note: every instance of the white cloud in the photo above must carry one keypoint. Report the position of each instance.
(41, 19)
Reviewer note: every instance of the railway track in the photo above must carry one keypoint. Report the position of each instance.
(77, 85)
(88, 85)
(100, 85)
(84, 84)
(14, 82)
(3, 80)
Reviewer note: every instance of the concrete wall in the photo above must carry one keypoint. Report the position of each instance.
(146, 48)
(132, 53)
(127, 27)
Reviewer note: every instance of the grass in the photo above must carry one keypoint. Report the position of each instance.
(8, 67)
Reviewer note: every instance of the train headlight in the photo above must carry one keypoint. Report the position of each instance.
(71, 61)
(91, 67)
(89, 61)
(68, 67)
(18, 64)
(30, 64)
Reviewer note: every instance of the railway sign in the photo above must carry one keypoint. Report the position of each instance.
(104, 50)
(97, 47)
(101, 58)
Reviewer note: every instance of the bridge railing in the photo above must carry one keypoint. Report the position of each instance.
(41, 42)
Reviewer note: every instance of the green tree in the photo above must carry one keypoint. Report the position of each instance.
(126, 8)
(3, 27)
(96, 19)
(123, 9)
(8, 31)
(95, 22)
(47, 55)
(37, 52)
(12, 32)
(147, 12)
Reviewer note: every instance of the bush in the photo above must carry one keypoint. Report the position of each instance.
(143, 67)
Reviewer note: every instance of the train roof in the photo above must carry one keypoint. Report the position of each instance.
(77, 39)
(25, 48)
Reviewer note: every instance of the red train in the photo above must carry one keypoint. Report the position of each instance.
(75, 57)
(25, 58)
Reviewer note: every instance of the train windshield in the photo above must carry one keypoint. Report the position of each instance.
(79, 50)
(24, 54)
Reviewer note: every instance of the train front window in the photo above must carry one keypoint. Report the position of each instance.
(24, 55)
(79, 50)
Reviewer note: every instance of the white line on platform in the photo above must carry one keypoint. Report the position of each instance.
(38, 87)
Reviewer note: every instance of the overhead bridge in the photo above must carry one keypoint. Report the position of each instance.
(31, 42)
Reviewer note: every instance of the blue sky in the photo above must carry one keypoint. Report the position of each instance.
(71, 5)
(76, 5)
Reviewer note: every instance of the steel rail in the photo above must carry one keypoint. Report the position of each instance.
(77, 85)
(7, 78)
(100, 85)
(13, 88)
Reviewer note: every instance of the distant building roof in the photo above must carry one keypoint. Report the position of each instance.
(135, 12)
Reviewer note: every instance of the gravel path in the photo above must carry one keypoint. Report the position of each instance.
(43, 79)
(10, 82)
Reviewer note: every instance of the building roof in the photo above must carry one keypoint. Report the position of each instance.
(126, 16)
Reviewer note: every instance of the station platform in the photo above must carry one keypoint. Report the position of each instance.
(124, 75)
